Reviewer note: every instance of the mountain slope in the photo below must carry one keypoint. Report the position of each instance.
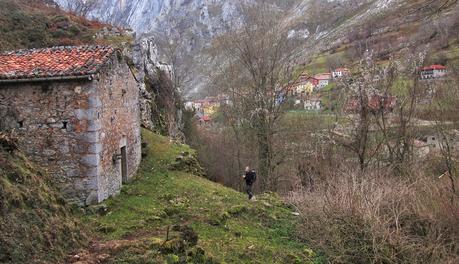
(145, 16)
(148, 15)
(170, 216)
(385, 27)
(36, 23)
(345, 27)
(139, 15)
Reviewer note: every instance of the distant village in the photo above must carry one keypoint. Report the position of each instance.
(307, 94)
(207, 107)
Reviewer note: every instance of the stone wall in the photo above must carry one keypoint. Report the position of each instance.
(119, 127)
(46, 117)
(75, 129)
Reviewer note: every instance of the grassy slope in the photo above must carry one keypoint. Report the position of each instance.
(405, 23)
(230, 228)
(36, 226)
(33, 24)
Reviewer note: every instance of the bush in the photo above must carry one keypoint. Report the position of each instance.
(74, 30)
(374, 219)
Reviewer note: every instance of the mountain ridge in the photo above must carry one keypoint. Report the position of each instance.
(318, 25)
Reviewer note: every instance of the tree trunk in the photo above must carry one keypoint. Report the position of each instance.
(264, 157)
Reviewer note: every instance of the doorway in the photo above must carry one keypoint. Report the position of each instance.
(124, 167)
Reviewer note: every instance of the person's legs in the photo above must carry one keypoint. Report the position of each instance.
(248, 189)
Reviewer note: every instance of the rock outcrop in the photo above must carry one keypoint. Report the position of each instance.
(160, 103)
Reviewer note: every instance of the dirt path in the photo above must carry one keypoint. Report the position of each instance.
(99, 252)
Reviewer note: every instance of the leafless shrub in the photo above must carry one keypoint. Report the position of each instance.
(224, 156)
(377, 219)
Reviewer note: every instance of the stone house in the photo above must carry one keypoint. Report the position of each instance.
(75, 111)
(438, 141)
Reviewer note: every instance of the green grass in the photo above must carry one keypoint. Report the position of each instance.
(318, 65)
(230, 228)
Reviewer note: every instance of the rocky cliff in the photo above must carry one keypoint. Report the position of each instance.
(203, 19)
(159, 101)
(146, 16)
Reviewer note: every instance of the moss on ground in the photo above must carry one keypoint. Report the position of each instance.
(175, 217)
(36, 225)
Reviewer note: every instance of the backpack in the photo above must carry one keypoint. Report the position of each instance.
(254, 174)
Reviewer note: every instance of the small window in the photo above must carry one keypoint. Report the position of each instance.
(21, 124)
(65, 125)
(45, 87)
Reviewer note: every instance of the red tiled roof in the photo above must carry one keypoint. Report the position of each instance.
(341, 70)
(323, 76)
(61, 62)
(434, 67)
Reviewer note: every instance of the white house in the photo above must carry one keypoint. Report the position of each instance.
(340, 72)
(433, 72)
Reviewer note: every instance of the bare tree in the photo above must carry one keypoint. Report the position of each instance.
(357, 111)
(258, 65)
(397, 127)
(443, 111)
(178, 61)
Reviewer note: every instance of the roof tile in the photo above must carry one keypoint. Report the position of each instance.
(62, 62)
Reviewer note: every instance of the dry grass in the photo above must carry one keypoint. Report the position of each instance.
(376, 218)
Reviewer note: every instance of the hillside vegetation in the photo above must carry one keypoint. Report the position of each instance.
(167, 215)
(39, 23)
(36, 225)
(170, 216)
(407, 27)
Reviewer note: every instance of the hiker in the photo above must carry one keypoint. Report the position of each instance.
(250, 177)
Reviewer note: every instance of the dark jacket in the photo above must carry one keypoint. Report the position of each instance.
(250, 177)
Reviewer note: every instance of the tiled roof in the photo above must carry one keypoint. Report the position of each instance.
(434, 67)
(56, 62)
(341, 70)
(323, 76)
